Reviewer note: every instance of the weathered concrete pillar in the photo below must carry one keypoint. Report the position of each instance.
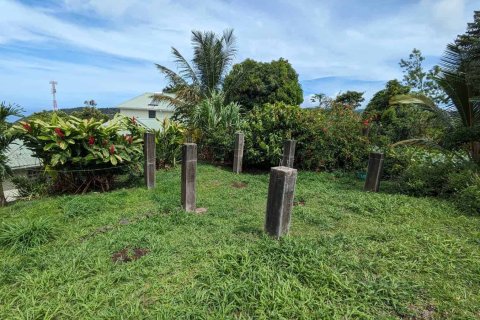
(280, 200)
(149, 162)
(288, 153)
(189, 173)
(375, 165)
(238, 152)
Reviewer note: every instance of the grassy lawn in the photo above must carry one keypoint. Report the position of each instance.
(134, 254)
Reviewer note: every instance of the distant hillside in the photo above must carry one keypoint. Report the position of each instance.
(110, 112)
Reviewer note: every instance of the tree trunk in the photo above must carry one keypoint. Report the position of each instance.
(476, 151)
(3, 200)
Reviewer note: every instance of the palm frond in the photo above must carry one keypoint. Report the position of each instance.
(186, 71)
(9, 110)
(422, 142)
(171, 76)
(417, 99)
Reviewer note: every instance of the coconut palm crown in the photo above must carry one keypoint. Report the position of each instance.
(203, 75)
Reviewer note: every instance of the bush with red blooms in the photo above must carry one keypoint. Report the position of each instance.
(87, 152)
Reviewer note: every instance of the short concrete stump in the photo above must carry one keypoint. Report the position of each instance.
(288, 153)
(189, 174)
(238, 152)
(149, 168)
(281, 190)
(374, 172)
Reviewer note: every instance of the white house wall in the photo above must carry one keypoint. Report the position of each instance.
(143, 114)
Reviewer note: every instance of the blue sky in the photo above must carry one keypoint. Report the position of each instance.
(106, 49)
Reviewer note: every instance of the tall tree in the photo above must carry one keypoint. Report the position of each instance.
(322, 100)
(6, 139)
(253, 83)
(353, 99)
(204, 74)
(421, 81)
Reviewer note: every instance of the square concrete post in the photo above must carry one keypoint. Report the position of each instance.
(238, 152)
(375, 166)
(189, 173)
(288, 153)
(280, 200)
(149, 162)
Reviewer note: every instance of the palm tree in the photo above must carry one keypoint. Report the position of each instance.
(6, 138)
(212, 57)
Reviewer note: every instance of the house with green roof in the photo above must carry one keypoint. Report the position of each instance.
(148, 112)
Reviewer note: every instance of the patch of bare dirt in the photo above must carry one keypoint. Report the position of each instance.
(239, 185)
(128, 255)
(201, 210)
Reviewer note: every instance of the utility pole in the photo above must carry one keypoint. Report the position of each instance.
(54, 91)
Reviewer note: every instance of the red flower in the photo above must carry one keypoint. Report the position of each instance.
(134, 120)
(27, 127)
(128, 138)
(112, 149)
(91, 140)
(59, 132)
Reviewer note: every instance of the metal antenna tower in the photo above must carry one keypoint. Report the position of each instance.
(54, 91)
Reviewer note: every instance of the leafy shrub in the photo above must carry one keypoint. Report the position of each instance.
(327, 139)
(83, 154)
(169, 143)
(265, 128)
(26, 233)
(79, 206)
(32, 187)
(215, 123)
(426, 172)
(468, 199)
(331, 139)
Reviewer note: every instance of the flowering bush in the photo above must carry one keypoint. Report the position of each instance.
(331, 139)
(84, 152)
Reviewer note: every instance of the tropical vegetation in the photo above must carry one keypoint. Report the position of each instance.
(6, 139)
(83, 154)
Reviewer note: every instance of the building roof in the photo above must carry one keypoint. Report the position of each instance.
(145, 102)
(19, 157)
(150, 123)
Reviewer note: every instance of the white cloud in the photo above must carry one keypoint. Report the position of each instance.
(318, 40)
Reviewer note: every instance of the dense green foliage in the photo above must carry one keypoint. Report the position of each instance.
(215, 124)
(326, 138)
(350, 254)
(393, 123)
(426, 172)
(331, 139)
(350, 98)
(169, 143)
(6, 138)
(82, 154)
(253, 83)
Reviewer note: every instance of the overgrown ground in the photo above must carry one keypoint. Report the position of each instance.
(133, 254)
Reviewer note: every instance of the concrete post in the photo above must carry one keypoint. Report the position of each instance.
(375, 165)
(189, 173)
(280, 200)
(238, 152)
(149, 167)
(288, 153)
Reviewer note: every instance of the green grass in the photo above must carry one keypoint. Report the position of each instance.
(349, 254)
